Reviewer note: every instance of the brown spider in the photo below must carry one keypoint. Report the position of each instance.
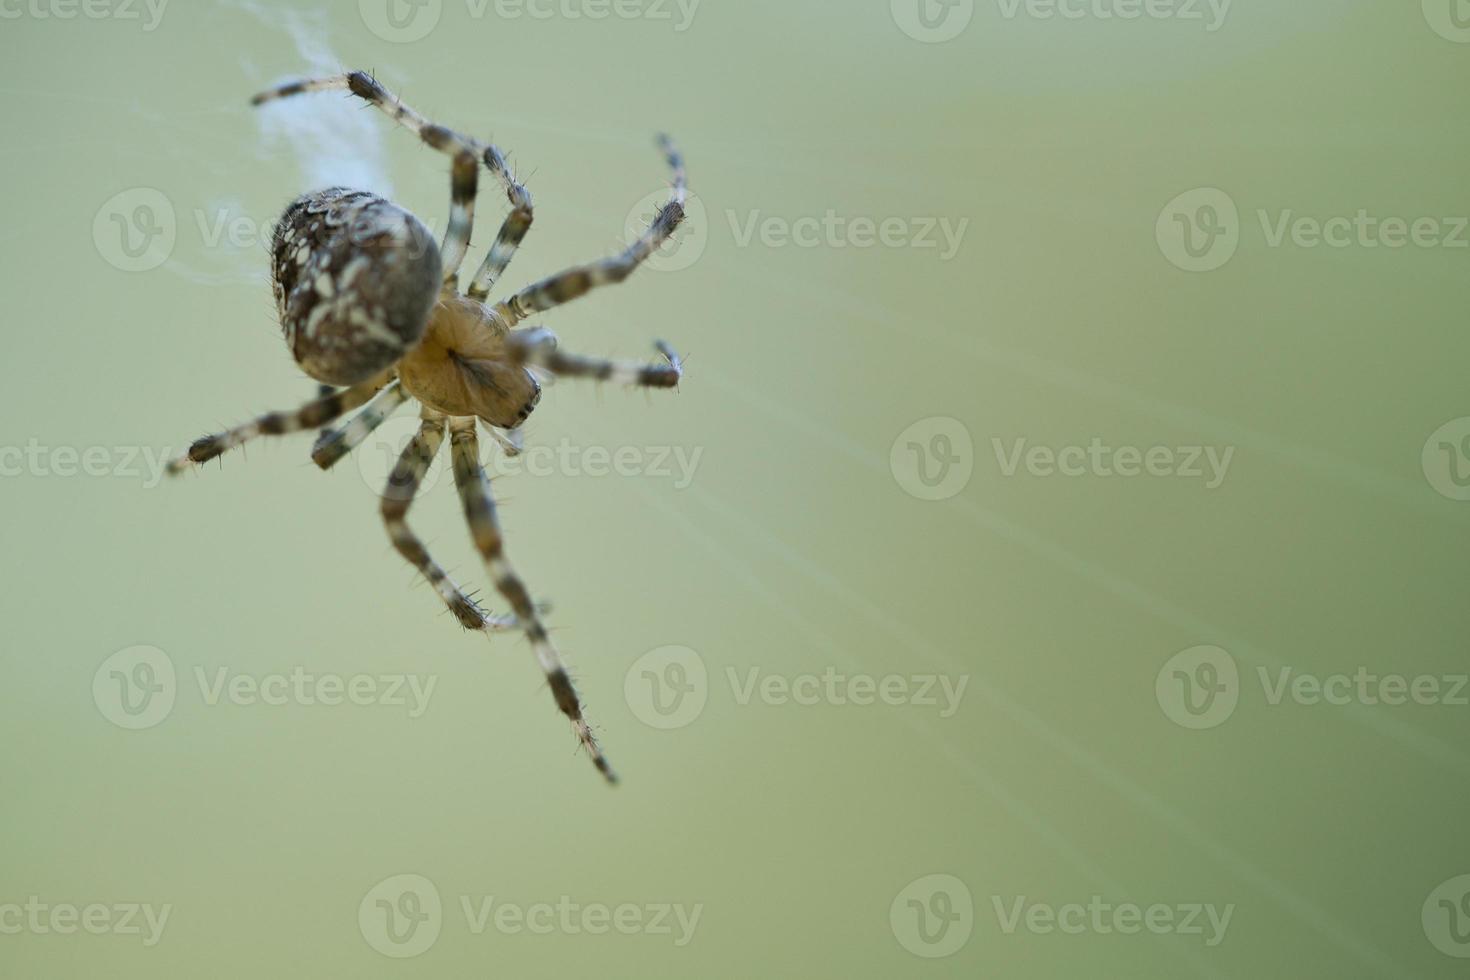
(369, 303)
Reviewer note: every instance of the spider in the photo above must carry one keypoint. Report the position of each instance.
(370, 307)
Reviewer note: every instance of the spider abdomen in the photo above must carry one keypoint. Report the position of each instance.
(355, 277)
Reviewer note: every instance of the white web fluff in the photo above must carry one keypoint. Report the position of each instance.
(334, 141)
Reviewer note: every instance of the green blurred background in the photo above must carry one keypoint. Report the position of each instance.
(855, 401)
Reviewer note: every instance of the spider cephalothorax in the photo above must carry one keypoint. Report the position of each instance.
(369, 302)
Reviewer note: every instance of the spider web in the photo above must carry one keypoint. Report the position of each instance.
(333, 141)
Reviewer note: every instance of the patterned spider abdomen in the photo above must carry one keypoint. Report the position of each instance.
(355, 278)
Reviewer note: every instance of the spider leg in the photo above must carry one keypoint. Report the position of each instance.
(512, 231)
(312, 415)
(403, 486)
(333, 445)
(479, 511)
(539, 347)
(467, 153)
(464, 181)
(322, 391)
(579, 280)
